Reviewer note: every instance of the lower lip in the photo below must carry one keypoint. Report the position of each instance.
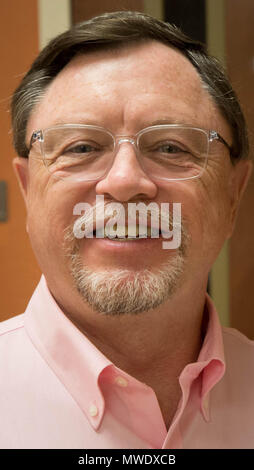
(135, 244)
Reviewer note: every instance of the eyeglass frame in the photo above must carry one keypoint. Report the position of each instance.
(122, 138)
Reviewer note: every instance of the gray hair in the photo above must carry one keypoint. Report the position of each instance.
(114, 30)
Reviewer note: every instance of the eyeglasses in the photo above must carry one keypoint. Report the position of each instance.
(83, 152)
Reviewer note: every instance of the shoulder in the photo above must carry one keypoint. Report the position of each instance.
(233, 337)
(11, 325)
(12, 341)
(239, 354)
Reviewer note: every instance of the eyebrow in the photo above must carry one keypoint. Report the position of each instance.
(78, 120)
(170, 121)
(146, 123)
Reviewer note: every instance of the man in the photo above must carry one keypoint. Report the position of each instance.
(120, 346)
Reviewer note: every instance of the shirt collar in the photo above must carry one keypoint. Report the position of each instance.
(79, 364)
(210, 365)
(211, 357)
(74, 359)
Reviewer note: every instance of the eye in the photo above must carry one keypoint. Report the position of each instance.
(81, 148)
(169, 148)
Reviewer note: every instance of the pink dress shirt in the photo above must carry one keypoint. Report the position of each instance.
(59, 391)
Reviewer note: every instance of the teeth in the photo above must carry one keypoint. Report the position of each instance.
(126, 233)
(133, 232)
(130, 233)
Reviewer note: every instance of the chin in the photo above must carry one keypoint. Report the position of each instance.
(125, 291)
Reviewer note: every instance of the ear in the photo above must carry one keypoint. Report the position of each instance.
(20, 166)
(240, 176)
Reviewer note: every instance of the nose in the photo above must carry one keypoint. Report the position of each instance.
(126, 179)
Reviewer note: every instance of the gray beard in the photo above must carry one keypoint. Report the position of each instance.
(125, 291)
(118, 292)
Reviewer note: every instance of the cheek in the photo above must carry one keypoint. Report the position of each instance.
(205, 211)
(215, 192)
(210, 214)
(46, 224)
(50, 212)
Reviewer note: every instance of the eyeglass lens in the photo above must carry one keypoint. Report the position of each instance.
(87, 153)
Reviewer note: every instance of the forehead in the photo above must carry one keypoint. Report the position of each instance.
(134, 85)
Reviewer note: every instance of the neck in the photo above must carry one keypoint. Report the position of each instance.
(154, 346)
(140, 344)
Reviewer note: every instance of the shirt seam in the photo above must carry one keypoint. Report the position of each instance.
(12, 330)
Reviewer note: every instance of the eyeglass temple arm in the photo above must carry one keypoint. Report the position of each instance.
(35, 136)
(215, 136)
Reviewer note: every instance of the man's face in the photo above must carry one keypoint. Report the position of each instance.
(125, 91)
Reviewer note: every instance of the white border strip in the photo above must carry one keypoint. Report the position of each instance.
(215, 28)
(219, 278)
(154, 8)
(54, 17)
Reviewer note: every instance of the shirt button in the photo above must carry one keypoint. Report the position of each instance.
(121, 381)
(93, 410)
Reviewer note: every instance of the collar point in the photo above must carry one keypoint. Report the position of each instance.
(95, 422)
